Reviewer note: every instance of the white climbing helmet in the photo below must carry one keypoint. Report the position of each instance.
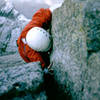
(38, 39)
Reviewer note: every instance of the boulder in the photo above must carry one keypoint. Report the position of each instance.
(69, 48)
(21, 80)
(11, 60)
(91, 23)
(92, 83)
(76, 48)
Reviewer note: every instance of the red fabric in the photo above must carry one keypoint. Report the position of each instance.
(42, 19)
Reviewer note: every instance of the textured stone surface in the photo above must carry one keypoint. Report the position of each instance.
(75, 55)
(11, 60)
(92, 85)
(75, 31)
(91, 24)
(11, 24)
(18, 80)
(24, 78)
(69, 47)
(41, 96)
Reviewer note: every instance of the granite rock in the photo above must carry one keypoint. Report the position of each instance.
(20, 80)
(75, 55)
(75, 31)
(91, 23)
(11, 25)
(69, 48)
(92, 83)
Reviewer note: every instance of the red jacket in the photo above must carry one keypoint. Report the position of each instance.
(42, 19)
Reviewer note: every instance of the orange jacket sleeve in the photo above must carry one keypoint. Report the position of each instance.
(42, 19)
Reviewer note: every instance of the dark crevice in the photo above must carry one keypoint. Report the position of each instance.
(19, 91)
(12, 93)
(52, 89)
(90, 52)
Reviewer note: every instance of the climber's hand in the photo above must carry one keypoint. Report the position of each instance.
(48, 70)
(49, 67)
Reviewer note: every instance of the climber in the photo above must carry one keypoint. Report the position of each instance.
(34, 41)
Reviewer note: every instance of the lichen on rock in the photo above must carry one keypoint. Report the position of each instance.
(69, 47)
(92, 25)
(75, 31)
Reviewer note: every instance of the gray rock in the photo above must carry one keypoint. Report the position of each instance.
(92, 85)
(92, 25)
(41, 96)
(11, 25)
(69, 48)
(75, 32)
(26, 97)
(11, 60)
(7, 10)
(23, 79)
(18, 80)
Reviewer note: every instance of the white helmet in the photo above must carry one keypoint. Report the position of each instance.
(38, 39)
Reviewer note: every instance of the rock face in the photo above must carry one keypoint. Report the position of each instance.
(10, 60)
(92, 85)
(18, 80)
(75, 55)
(91, 24)
(11, 24)
(21, 78)
(69, 48)
(75, 32)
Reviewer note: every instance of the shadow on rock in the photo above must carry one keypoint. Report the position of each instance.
(52, 89)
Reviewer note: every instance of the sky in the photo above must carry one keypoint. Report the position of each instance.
(29, 7)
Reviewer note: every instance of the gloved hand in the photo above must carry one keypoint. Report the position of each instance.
(48, 70)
